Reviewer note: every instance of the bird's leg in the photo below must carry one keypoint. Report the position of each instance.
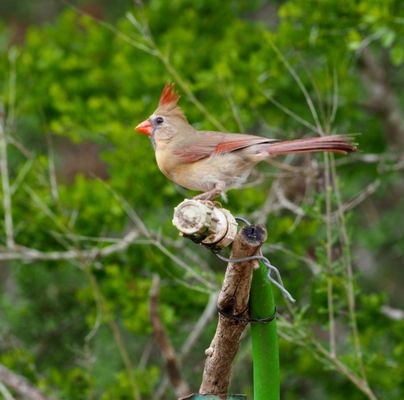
(211, 194)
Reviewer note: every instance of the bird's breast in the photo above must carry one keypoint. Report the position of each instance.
(204, 174)
(164, 162)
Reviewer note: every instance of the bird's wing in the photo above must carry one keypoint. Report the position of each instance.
(210, 143)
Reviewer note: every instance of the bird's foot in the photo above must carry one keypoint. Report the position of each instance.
(211, 203)
(203, 196)
(211, 194)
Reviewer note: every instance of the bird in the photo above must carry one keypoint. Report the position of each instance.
(214, 162)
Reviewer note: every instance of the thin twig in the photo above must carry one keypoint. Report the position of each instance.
(286, 203)
(111, 28)
(348, 265)
(361, 384)
(314, 267)
(322, 113)
(12, 58)
(5, 392)
(234, 109)
(5, 181)
(301, 338)
(335, 96)
(116, 332)
(330, 277)
(299, 82)
(180, 386)
(289, 112)
(198, 328)
(4, 169)
(21, 176)
(358, 199)
(20, 384)
(52, 169)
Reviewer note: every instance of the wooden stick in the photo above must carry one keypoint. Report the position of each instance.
(233, 301)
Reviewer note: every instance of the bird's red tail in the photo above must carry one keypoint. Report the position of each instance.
(335, 143)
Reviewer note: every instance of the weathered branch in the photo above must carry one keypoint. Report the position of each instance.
(27, 254)
(233, 300)
(180, 386)
(20, 384)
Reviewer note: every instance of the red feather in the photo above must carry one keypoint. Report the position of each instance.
(168, 96)
(230, 144)
(209, 143)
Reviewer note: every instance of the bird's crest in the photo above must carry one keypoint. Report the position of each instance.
(169, 98)
(168, 101)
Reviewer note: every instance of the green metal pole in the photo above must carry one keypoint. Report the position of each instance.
(264, 339)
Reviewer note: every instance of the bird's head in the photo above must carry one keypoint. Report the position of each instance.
(167, 120)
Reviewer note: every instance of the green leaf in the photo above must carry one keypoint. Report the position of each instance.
(397, 55)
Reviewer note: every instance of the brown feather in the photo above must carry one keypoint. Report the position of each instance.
(210, 143)
(335, 143)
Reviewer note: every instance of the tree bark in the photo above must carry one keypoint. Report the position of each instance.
(233, 301)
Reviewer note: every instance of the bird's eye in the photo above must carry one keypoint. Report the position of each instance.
(159, 120)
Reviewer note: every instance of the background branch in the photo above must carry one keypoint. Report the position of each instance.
(21, 385)
(5, 181)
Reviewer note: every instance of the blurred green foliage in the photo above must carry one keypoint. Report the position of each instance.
(80, 81)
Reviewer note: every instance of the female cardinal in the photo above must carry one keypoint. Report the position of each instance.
(214, 162)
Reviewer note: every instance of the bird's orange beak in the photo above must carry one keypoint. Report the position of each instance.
(145, 127)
